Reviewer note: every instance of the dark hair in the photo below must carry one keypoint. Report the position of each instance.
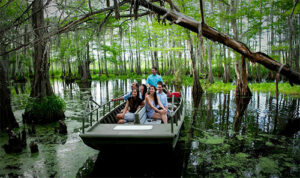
(154, 68)
(155, 96)
(137, 86)
(159, 83)
(134, 102)
(137, 96)
(144, 91)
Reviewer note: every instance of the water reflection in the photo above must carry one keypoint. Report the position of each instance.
(241, 106)
(224, 136)
(243, 136)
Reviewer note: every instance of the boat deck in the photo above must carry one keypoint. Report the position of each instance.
(116, 130)
(106, 133)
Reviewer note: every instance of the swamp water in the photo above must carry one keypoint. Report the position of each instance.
(257, 137)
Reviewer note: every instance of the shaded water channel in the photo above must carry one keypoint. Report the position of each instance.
(218, 139)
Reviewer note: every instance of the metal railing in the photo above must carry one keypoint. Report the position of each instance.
(175, 115)
(93, 108)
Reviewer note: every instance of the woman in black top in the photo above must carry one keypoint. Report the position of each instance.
(132, 105)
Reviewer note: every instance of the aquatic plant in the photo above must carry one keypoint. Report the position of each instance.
(271, 87)
(242, 155)
(50, 108)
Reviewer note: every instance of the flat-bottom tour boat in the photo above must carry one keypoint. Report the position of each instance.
(103, 132)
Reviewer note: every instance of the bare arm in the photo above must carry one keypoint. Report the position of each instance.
(159, 103)
(117, 99)
(151, 105)
(162, 106)
(126, 108)
(142, 104)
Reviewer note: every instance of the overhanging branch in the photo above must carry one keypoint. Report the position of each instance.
(65, 28)
(214, 35)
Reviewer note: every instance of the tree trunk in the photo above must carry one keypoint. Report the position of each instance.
(105, 60)
(297, 58)
(258, 75)
(197, 89)
(69, 64)
(155, 54)
(123, 61)
(41, 86)
(225, 75)
(130, 48)
(26, 40)
(98, 54)
(236, 36)
(210, 74)
(137, 53)
(242, 88)
(7, 118)
(120, 57)
(86, 65)
(292, 31)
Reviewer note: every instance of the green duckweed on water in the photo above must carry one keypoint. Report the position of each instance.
(247, 157)
(59, 155)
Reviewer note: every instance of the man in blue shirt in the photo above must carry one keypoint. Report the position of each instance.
(134, 85)
(162, 96)
(154, 78)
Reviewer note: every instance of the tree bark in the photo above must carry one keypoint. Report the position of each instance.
(258, 75)
(210, 74)
(122, 64)
(292, 31)
(130, 48)
(7, 118)
(242, 88)
(85, 65)
(271, 74)
(138, 54)
(105, 60)
(41, 86)
(197, 89)
(214, 35)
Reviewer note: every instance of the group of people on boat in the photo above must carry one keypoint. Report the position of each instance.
(152, 95)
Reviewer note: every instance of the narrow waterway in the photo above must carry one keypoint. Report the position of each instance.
(222, 137)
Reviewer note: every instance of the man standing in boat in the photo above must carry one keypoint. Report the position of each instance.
(154, 78)
(134, 85)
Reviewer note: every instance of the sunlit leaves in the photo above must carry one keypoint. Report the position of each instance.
(113, 52)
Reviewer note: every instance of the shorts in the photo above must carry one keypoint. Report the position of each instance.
(129, 117)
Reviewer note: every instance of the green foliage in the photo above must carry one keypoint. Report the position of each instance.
(268, 166)
(49, 104)
(271, 87)
(103, 77)
(211, 140)
(178, 75)
(114, 51)
(219, 86)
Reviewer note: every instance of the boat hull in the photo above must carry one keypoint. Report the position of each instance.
(109, 135)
